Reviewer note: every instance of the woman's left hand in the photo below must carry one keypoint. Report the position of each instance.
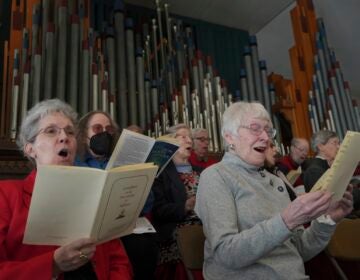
(343, 207)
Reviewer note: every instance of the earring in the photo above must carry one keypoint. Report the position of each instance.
(231, 146)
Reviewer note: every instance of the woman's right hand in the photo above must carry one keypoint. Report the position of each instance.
(73, 255)
(306, 208)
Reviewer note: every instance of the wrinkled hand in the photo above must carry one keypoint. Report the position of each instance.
(67, 257)
(306, 208)
(190, 203)
(343, 207)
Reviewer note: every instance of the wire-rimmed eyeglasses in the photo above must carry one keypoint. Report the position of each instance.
(257, 129)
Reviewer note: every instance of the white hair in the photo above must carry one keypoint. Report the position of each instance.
(237, 113)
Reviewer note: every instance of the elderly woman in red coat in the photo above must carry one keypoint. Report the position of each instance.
(47, 136)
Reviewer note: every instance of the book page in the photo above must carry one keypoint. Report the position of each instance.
(143, 225)
(131, 148)
(161, 154)
(124, 197)
(338, 176)
(64, 204)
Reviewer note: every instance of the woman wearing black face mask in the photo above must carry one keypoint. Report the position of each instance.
(96, 139)
(97, 136)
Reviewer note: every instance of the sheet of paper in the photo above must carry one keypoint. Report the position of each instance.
(143, 225)
(64, 209)
(131, 148)
(338, 176)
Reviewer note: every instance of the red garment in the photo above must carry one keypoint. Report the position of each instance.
(202, 164)
(357, 170)
(176, 271)
(20, 261)
(286, 164)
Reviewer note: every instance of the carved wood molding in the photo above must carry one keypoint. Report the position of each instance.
(12, 162)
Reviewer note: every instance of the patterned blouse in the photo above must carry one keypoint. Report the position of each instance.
(169, 252)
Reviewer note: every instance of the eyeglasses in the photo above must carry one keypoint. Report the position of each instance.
(98, 128)
(202, 139)
(54, 130)
(257, 129)
(301, 150)
(334, 142)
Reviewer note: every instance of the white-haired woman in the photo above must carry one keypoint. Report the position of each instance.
(174, 191)
(252, 229)
(48, 136)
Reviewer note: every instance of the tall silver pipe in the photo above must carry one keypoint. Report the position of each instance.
(320, 83)
(85, 79)
(104, 95)
(49, 62)
(74, 61)
(249, 73)
(201, 78)
(121, 79)
(324, 42)
(111, 59)
(322, 64)
(339, 105)
(335, 114)
(130, 54)
(343, 97)
(61, 52)
(14, 107)
(168, 28)
(318, 101)
(265, 87)
(351, 106)
(154, 101)
(147, 85)
(243, 85)
(159, 20)
(95, 87)
(195, 75)
(25, 91)
(141, 87)
(36, 77)
(155, 51)
(256, 71)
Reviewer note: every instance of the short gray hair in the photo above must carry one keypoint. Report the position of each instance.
(321, 137)
(173, 129)
(235, 115)
(30, 124)
(195, 131)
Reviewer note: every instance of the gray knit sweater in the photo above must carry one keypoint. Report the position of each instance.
(246, 237)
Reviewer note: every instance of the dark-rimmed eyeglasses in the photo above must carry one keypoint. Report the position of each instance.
(301, 149)
(256, 129)
(98, 128)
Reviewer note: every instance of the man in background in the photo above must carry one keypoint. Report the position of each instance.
(199, 156)
(299, 150)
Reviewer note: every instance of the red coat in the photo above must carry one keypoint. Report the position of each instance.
(201, 164)
(20, 261)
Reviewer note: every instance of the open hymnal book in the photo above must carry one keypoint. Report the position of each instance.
(134, 148)
(338, 176)
(70, 202)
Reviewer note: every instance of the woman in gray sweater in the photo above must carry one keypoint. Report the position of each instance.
(252, 229)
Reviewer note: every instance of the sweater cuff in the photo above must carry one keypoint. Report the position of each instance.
(280, 228)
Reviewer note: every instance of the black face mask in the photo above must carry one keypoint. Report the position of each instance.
(101, 144)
